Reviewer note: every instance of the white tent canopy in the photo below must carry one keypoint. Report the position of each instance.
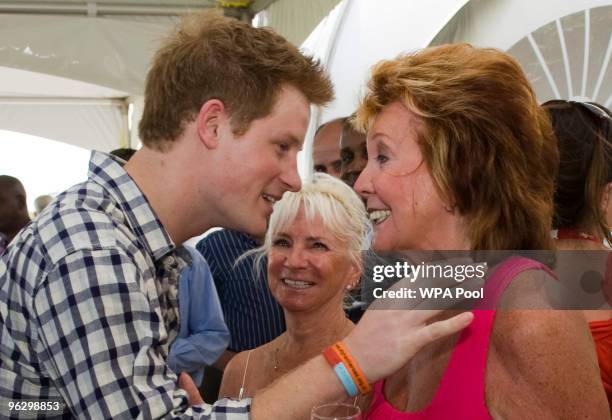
(72, 78)
(62, 109)
(80, 73)
(564, 46)
(71, 69)
(359, 33)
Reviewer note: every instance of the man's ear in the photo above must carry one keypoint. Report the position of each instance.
(209, 120)
(21, 200)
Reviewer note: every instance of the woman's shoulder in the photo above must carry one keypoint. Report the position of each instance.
(550, 354)
(246, 370)
(234, 372)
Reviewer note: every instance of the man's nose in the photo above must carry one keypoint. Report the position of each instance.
(290, 177)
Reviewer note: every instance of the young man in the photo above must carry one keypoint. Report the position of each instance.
(88, 296)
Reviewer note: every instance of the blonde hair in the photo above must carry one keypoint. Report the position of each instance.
(340, 208)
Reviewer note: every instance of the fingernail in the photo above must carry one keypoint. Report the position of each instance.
(467, 317)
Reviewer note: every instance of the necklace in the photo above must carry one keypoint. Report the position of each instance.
(566, 233)
(276, 359)
(277, 366)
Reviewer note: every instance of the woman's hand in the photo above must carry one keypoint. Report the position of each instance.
(186, 384)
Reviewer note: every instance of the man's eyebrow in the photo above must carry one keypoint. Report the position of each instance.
(294, 141)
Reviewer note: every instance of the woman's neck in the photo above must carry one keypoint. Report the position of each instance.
(308, 333)
(309, 328)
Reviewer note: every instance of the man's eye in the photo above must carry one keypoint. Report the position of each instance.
(364, 151)
(320, 168)
(347, 156)
(283, 147)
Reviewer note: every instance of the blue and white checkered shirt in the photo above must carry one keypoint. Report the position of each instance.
(88, 307)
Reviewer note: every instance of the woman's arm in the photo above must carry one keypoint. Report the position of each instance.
(397, 334)
(542, 362)
(232, 376)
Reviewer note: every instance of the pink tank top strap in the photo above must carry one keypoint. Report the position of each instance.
(461, 393)
(469, 358)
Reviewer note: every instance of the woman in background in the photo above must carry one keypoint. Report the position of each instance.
(583, 201)
(313, 244)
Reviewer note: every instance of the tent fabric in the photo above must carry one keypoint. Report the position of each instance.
(547, 37)
(295, 19)
(356, 35)
(57, 58)
(98, 124)
(372, 31)
(113, 53)
(53, 60)
(564, 47)
(369, 32)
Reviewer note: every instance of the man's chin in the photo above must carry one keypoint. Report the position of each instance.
(255, 229)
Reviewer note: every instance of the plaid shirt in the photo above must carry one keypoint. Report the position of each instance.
(88, 307)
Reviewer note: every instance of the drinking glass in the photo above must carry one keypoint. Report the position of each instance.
(335, 411)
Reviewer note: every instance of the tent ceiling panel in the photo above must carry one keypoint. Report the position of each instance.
(359, 33)
(105, 52)
(93, 124)
(242, 9)
(16, 83)
(106, 7)
(295, 19)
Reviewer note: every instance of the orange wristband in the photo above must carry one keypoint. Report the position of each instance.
(353, 368)
(331, 356)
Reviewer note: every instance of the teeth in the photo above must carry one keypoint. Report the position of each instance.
(379, 216)
(298, 284)
(269, 198)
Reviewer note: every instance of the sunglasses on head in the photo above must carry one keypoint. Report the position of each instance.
(593, 108)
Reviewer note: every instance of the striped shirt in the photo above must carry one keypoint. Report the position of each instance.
(88, 307)
(252, 314)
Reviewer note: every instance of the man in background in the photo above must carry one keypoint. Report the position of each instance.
(353, 153)
(326, 147)
(41, 202)
(124, 153)
(13, 209)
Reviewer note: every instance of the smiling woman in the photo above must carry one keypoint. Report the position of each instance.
(462, 157)
(313, 244)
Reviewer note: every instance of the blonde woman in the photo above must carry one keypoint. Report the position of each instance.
(313, 245)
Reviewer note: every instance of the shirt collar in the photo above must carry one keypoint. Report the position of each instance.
(108, 172)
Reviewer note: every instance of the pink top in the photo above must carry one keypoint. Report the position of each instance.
(461, 393)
